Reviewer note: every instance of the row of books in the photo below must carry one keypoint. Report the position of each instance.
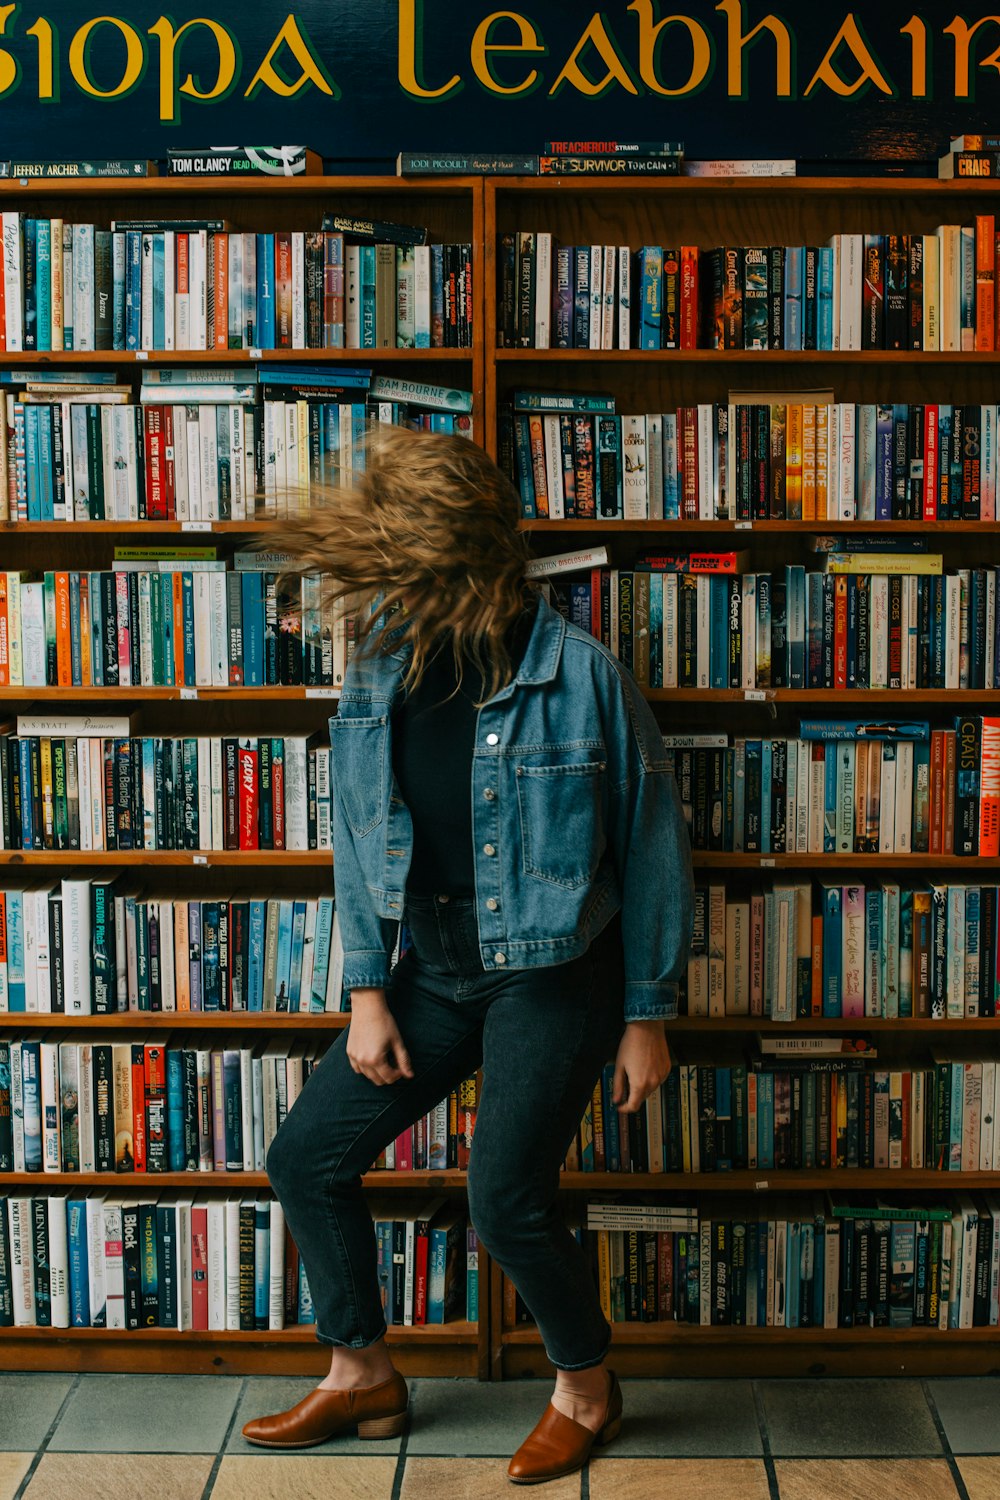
(181, 1104)
(887, 628)
(827, 1262)
(213, 1263)
(897, 787)
(572, 457)
(797, 950)
(188, 284)
(200, 445)
(170, 619)
(165, 952)
(75, 789)
(932, 291)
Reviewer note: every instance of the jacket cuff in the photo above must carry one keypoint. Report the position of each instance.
(651, 1000)
(366, 969)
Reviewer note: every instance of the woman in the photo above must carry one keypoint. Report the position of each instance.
(499, 782)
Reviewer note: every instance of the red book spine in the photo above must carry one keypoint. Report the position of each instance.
(153, 432)
(169, 472)
(665, 1275)
(248, 793)
(989, 791)
(139, 1106)
(404, 1150)
(840, 631)
(689, 296)
(220, 262)
(199, 1268)
(283, 290)
(931, 476)
(422, 1240)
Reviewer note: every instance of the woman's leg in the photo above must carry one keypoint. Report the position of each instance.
(337, 1127)
(546, 1038)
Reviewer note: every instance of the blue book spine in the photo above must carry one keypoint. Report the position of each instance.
(793, 1240)
(824, 299)
(765, 1119)
(265, 290)
(96, 651)
(723, 1111)
(472, 1274)
(525, 472)
(295, 960)
(655, 630)
(31, 462)
(719, 627)
(651, 295)
(367, 259)
(187, 626)
(436, 1261)
(159, 292)
(253, 628)
(437, 287)
(832, 950)
(255, 953)
(175, 1109)
(29, 284)
(117, 290)
(133, 288)
(27, 815)
(283, 956)
(306, 1311)
(612, 1143)
(316, 1000)
(195, 976)
(43, 283)
(581, 297)
(671, 473)
(75, 640)
(261, 1258)
(79, 1264)
(765, 796)
(358, 423)
(331, 442)
(46, 483)
(563, 300)
(795, 256)
(883, 463)
(795, 594)
(31, 1094)
(762, 1273)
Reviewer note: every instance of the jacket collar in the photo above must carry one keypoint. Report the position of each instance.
(540, 662)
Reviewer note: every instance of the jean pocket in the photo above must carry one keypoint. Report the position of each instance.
(358, 769)
(560, 809)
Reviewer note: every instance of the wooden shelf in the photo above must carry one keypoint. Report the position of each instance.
(242, 1020)
(131, 1182)
(15, 529)
(753, 357)
(660, 186)
(322, 859)
(453, 1333)
(748, 528)
(655, 1333)
(169, 694)
(144, 357)
(712, 859)
(811, 696)
(223, 186)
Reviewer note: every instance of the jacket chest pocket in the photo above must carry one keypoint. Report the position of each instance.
(562, 824)
(358, 763)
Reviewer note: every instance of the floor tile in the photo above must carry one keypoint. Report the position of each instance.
(119, 1476)
(848, 1418)
(29, 1403)
(708, 1478)
(969, 1408)
(982, 1477)
(678, 1418)
(147, 1414)
(866, 1479)
(266, 1394)
(13, 1467)
(472, 1479)
(307, 1478)
(452, 1418)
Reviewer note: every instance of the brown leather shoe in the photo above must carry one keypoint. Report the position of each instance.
(558, 1445)
(377, 1411)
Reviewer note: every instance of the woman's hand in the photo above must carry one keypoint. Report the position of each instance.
(374, 1045)
(643, 1062)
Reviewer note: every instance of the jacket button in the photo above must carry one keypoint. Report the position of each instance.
(442, 899)
(492, 739)
(499, 958)
(491, 903)
(489, 849)
(489, 794)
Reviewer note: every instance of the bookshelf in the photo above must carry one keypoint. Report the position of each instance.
(708, 213)
(695, 211)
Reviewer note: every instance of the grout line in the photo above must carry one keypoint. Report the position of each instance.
(765, 1442)
(956, 1473)
(217, 1460)
(43, 1445)
(397, 1478)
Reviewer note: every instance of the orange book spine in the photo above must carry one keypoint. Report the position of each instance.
(220, 258)
(808, 463)
(64, 664)
(822, 462)
(182, 974)
(4, 634)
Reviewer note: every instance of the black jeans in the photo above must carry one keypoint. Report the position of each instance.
(542, 1037)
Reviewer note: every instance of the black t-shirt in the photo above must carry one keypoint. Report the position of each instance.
(432, 748)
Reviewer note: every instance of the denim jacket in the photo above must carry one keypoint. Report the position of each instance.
(575, 814)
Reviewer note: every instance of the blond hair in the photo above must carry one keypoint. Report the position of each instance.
(426, 532)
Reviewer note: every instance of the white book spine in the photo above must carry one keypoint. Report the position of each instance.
(553, 465)
(12, 279)
(96, 1256)
(543, 289)
(216, 821)
(169, 288)
(220, 644)
(846, 500)
(276, 1266)
(49, 1085)
(952, 631)
(21, 1261)
(596, 295)
(198, 254)
(114, 1266)
(184, 1283)
(634, 468)
(624, 297)
(608, 299)
(58, 1261)
(88, 1161)
(706, 462)
(209, 456)
(232, 1262)
(217, 1264)
(43, 956)
(296, 821)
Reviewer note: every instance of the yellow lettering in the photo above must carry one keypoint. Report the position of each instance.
(170, 65)
(135, 58)
(42, 29)
(916, 29)
(963, 34)
(9, 67)
(269, 75)
(850, 35)
(482, 46)
(596, 35)
(410, 22)
(649, 43)
(738, 86)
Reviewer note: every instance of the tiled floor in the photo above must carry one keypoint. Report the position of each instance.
(115, 1437)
